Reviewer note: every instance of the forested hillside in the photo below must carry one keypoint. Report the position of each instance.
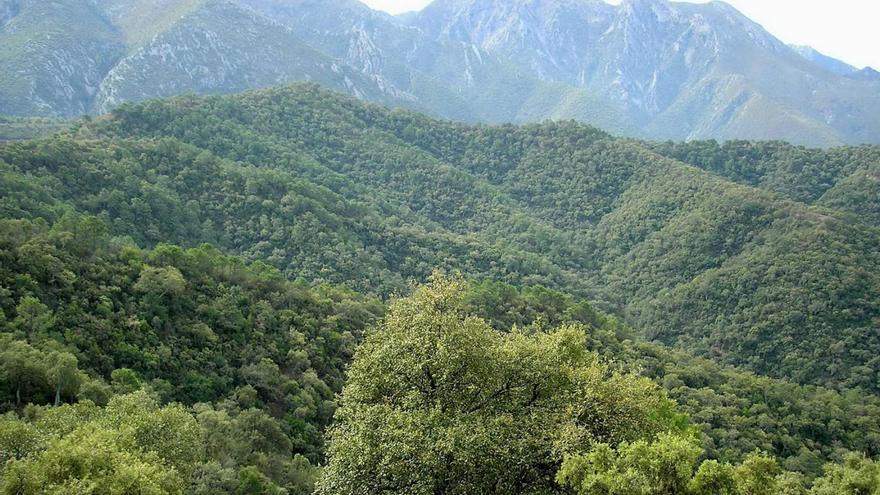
(16, 128)
(84, 318)
(258, 360)
(328, 188)
(845, 178)
(229, 254)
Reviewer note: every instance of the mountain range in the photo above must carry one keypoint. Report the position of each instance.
(645, 68)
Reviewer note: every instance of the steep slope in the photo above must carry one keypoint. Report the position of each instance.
(868, 74)
(728, 271)
(222, 48)
(128, 50)
(859, 193)
(54, 56)
(138, 21)
(704, 264)
(8, 10)
(261, 355)
(303, 218)
(830, 64)
(450, 78)
(678, 70)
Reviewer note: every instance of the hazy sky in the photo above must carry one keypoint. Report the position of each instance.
(845, 29)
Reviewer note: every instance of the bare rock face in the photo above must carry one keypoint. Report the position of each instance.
(648, 68)
(644, 68)
(223, 48)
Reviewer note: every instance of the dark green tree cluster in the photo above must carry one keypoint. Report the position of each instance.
(32, 375)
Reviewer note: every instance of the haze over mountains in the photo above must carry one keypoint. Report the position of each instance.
(645, 68)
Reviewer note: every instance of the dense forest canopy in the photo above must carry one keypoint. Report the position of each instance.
(327, 188)
(191, 290)
(92, 321)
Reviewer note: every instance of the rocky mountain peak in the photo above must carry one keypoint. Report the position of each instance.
(828, 63)
(653, 8)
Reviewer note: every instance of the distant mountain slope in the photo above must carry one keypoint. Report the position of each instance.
(330, 188)
(447, 77)
(830, 64)
(138, 21)
(221, 48)
(53, 56)
(645, 68)
(678, 70)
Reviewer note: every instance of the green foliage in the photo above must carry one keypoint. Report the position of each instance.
(22, 368)
(738, 413)
(15, 128)
(668, 466)
(62, 374)
(713, 477)
(214, 347)
(185, 325)
(439, 402)
(132, 445)
(269, 422)
(856, 476)
(843, 178)
(660, 467)
(135, 444)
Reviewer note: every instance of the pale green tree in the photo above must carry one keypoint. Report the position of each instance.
(664, 466)
(131, 446)
(856, 476)
(21, 366)
(438, 402)
(62, 373)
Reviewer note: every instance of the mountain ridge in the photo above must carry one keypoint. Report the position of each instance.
(647, 68)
